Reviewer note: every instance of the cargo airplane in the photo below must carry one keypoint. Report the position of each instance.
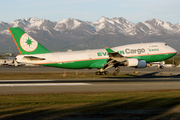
(132, 55)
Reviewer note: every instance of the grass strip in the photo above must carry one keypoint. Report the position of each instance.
(149, 105)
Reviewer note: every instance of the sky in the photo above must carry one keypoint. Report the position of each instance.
(91, 10)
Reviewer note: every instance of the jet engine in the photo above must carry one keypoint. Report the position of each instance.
(133, 62)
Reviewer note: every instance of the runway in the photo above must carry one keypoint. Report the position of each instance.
(87, 85)
(39, 69)
(148, 79)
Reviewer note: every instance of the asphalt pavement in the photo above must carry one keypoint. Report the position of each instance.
(148, 79)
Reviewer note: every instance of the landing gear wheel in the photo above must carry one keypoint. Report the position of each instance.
(115, 73)
(117, 70)
(101, 73)
(105, 72)
(97, 73)
(161, 67)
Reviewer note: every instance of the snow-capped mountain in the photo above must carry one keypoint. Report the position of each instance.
(152, 27)
(112, 24)
(70, 23)
(77, 34)
(103, 25)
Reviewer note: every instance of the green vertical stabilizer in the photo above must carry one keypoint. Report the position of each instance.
(25, 43)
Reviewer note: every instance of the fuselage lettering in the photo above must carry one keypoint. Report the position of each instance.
(106, 54)
(134, 51)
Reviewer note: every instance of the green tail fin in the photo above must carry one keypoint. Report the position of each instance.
(25, 43)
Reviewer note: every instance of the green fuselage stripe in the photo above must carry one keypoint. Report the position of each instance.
(98, 63)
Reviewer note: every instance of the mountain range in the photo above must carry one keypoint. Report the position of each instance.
(77, 34)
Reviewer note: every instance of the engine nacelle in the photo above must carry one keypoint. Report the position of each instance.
(142, 64)
(133, 62)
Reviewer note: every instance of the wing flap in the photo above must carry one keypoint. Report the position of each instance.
(115, 55)
(115, 59)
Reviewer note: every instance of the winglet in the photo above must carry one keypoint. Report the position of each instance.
(109, 50)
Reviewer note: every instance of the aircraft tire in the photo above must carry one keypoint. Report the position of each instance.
(105, 72)
(115, 73)
(97, 73)
(117, 70)
(161, 67)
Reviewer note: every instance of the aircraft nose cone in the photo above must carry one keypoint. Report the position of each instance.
(173, 50)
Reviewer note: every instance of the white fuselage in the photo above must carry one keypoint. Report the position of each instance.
(155, 48)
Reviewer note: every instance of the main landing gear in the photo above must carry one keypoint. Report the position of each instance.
(102, 72)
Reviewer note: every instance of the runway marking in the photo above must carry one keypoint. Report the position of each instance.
(43, 84)
(24, 80)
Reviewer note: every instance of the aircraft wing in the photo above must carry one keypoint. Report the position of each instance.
(115, 59)
(31, 58)
(115, 55)
(10, 57)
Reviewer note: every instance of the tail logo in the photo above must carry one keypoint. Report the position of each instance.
(27, 43)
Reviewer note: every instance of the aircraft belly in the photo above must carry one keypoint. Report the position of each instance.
(74, 65)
